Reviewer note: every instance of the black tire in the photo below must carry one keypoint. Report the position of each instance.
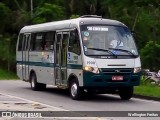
(35, 85)
(126, 93)
(75, 90)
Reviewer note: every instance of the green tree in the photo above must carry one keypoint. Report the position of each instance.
(5, 14)
(147, 55)
(47, 13)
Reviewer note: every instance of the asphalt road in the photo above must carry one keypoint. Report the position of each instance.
(60, 98)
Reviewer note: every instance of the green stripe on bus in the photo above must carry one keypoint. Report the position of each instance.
(72, 66)
(43, 64)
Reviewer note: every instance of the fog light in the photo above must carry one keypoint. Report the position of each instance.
(91, 69)
(137, 69)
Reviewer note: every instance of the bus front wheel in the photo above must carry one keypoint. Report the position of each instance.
(126, 93)
(35, 85)
(75, 90)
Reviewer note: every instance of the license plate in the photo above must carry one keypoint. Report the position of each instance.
(117, 78)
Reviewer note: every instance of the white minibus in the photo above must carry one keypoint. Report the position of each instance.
(87, 54)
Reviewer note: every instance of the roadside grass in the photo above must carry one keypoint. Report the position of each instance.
(5, 75)
(147, 88)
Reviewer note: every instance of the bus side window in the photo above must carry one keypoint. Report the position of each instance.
(20, 41)
(38, 42)
(74, 43)
(48, 41)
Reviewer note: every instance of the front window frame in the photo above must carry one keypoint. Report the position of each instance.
(126, 55)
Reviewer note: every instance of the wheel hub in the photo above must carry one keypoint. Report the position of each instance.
(74, 89)
(32, 83)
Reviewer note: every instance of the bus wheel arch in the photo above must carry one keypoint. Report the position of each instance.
(74, 88)
(34, 84)
(31, 73)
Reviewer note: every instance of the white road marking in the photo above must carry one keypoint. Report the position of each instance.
(34, 102)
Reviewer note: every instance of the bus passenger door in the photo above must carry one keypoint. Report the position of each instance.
(61, 58)
(25, 56)
(64, 49)
(58, 58)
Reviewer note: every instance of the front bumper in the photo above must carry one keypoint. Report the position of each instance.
(104, 78)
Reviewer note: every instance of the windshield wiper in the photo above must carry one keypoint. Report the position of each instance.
(104, 50)
(127, 51)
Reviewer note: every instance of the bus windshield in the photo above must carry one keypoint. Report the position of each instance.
(107, 40)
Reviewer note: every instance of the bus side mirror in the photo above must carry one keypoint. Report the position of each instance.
(134, 35)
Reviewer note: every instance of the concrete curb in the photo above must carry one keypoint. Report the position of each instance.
(146, 97)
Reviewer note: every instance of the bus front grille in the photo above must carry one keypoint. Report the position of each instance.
(117, 71)
(109, 73)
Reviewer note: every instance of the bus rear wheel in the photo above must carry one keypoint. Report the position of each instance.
(35, 85)
(126, 93)
(75, 90)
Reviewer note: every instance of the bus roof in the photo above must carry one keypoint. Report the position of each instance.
(67, 24)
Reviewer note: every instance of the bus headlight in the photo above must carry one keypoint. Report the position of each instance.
(137, 69)
(91, 69)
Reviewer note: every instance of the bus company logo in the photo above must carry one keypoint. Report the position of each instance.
(115, 52)
(69, 56)
(6, 114)
(117, 71)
